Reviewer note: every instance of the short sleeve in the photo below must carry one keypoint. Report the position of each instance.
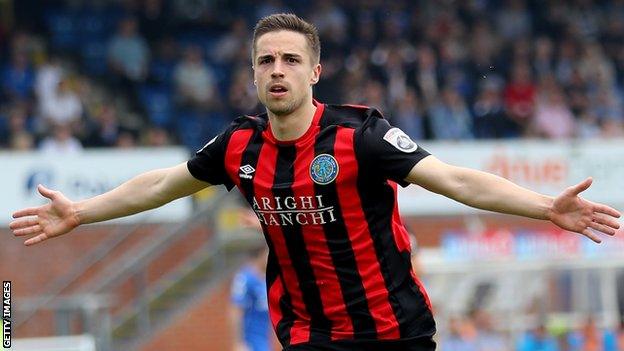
(208, 164)
(385, 150)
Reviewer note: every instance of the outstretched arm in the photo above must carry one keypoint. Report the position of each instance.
(490, 192)
(143, 192)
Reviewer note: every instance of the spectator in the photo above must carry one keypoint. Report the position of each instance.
(553, 118)
(250, 314)
(520, 94)
(22, 142)
(61, 142)
(128, 52)
(126, 140)
(19, 136)
(488, 338)
(408, 115)
(462, 336)
(620, 335)
(104, 129)
(195, 83)
(491, 119)
(589, 337)
(61, 106)
(18, 78)
(48, 77)
(154, 19)
(426, 76)
(331, 22)
(544, 61)
(233, 43)
(156, 137)
(450, 118)
(537, 339)
(514, 20)
(588, 126)
(242, 95)
(164, 63)
(611, 128)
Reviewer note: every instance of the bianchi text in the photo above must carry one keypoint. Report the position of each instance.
(293, 210)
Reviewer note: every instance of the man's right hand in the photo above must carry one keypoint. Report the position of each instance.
(47, 221)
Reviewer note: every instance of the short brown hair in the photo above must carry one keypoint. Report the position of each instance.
(291, 22)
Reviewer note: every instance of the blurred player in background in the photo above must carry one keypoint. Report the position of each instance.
(317, 176)
(250, 309)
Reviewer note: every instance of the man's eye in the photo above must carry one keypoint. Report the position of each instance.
(265, 60)
(292, 60)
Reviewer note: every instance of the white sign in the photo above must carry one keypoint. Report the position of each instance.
(543, 166)
(55, 343)
(83, 175)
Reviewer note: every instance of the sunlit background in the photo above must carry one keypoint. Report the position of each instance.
(94, 92)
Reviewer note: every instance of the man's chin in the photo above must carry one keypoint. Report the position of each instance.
(280, 109)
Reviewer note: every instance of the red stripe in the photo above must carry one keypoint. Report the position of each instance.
(263, 183)
(234, 153)
(276, 291)
(401, 238)
(363, 247)
(318, 251)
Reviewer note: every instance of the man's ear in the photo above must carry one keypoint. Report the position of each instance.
(317, 74)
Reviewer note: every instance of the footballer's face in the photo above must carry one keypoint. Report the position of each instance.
(284, 71)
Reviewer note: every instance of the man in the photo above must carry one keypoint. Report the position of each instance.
(250, 315)
(321, 181)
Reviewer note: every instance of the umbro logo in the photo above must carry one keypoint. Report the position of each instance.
(246, 171)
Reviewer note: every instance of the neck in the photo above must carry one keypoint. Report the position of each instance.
(293, 125)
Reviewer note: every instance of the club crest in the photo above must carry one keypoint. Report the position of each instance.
(324, 169)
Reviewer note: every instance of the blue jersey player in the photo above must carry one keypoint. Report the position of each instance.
(250, 305)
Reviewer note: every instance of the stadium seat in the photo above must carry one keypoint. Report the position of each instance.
(64, 29)
(93, 55)
(158, 105)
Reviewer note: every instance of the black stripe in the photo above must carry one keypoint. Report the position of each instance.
(341, 250)
(250, 157)
(408, 303)
(282, 329)
(320, 326)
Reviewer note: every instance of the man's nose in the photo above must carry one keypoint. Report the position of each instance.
(277, 69)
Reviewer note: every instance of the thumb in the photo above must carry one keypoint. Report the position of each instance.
(582, 186)
(45, 192)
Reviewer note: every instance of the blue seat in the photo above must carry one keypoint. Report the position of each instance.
(157, 103)
(63, 26)
(190, 129)
(93, 56)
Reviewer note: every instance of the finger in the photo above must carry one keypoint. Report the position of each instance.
(39, 238)
(34, 230)
(580, 187)
(45, 192)
(31, 211)
(606, 210)
(23, 223)
(602, 228)
(588, 233)
(608, 221)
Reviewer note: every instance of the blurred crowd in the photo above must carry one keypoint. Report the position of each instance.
(130, 73)
(477, 331)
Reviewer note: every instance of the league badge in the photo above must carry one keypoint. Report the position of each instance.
(401, 141)
(324, 169)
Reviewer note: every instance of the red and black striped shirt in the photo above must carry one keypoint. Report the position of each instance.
(339, 257)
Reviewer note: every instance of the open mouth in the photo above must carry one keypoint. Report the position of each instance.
(277, 90)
